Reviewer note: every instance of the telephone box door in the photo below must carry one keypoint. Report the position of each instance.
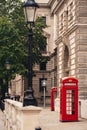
(69, 99)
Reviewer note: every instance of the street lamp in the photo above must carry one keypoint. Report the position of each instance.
(44, 88)
(7, 66)
(29, 12)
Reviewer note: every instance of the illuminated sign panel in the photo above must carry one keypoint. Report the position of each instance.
(70, 84)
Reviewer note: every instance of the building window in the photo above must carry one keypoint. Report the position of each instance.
(66, 19)
(55, 80)
(44, 20)
(61, 19)
(66, 57)
(66, 61)
(71, 12)
(43, 66)
(61, 22)
(43, 48)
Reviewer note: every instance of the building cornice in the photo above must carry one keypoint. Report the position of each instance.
(66, 34)
(41, 71)
(51, 2)
(70, 30)
(55, 5)
(44, 5)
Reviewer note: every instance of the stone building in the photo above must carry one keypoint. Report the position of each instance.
(66, 45)
(70, 38)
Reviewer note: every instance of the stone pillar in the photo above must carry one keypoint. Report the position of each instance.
(18, 117)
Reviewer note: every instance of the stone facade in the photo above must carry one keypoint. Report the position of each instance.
(81, 41)
(71, 29)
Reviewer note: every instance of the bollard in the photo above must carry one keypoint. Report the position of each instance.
(38, 128)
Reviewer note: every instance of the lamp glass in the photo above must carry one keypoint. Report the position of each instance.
(44, 82)
(7, 65)
(29, 13)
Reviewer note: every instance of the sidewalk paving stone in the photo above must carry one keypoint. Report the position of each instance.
(2, 121)
(49, 120)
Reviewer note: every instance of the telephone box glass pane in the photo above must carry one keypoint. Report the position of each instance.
(70, 102)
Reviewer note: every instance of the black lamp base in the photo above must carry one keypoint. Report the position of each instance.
(29, 99)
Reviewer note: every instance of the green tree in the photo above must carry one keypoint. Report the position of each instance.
(13, 39)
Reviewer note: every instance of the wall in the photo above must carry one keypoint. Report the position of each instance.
(81, 50)
(18, 117)
(83, 108)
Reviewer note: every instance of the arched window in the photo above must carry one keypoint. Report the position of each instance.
(66, 61)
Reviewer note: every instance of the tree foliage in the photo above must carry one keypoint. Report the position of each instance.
(13, 39)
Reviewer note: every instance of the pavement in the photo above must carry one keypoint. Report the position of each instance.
(49, 120)
(2, 121)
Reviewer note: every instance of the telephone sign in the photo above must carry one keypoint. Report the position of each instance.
(70, 84)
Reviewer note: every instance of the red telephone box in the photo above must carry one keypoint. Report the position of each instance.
(69, 99)
(53, 96)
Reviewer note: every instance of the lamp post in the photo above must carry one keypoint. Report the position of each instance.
(29, 11)
(44, 90)
(7, 66)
